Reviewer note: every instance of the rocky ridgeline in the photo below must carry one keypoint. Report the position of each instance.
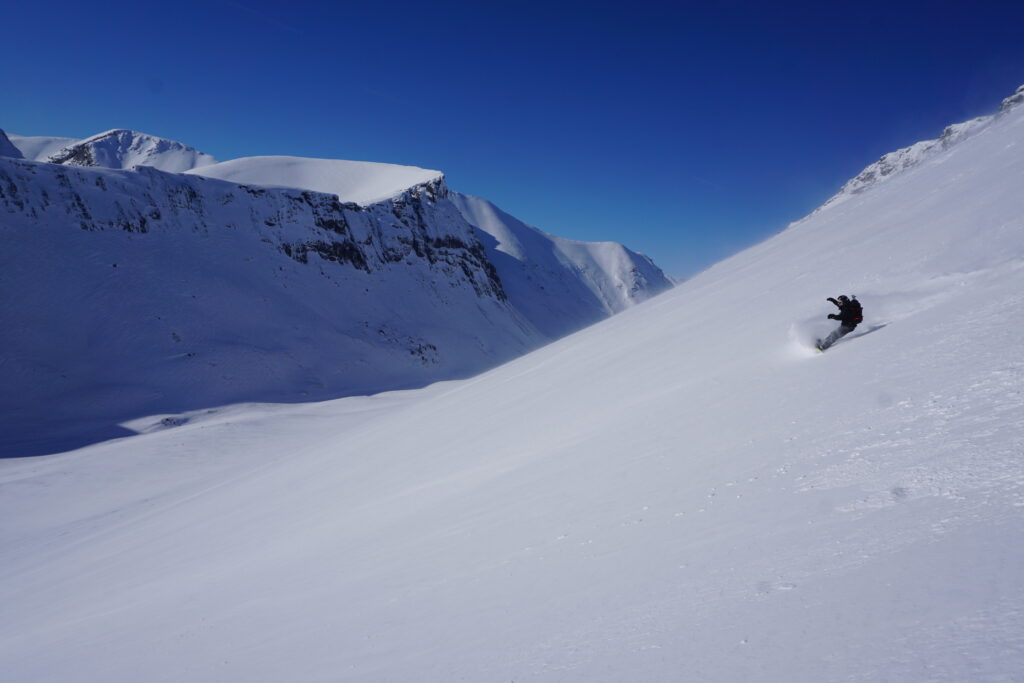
(896, 162)
(135, 290)
(127, 149)
(417, 228)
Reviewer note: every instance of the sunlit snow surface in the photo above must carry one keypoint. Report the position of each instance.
(128, 148)
(134, 292)
(560, 285)
(39, 148)
(684, 492)
(361, 182)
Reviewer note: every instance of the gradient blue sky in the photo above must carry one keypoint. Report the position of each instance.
(686, 131)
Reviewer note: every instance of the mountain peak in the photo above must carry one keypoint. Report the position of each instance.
(122, 148)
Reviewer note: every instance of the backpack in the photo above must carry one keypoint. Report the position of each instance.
(856, 312)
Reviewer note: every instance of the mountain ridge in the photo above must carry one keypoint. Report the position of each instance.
(186, 273)
(896, 162)
(124, 149)
(606, 277)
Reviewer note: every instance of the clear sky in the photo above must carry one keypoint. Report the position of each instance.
(686, 131)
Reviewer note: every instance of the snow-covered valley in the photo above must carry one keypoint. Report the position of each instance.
(684, 491)
(133, 290)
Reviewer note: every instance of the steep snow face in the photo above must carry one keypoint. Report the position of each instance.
(908, 157)
(561, 285)
(361, 182)
(620, 277)
(7, 148)
(39, 148)
(134, 292)
(125, 149)
(681, 492)
(355, 298)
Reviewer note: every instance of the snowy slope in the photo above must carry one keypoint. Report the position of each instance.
(908, 157)
(681, 492)
(362, 182)
(127, 149)
(39, 148)
(206, 292)
(7, 148)
(561, 285)
(137, 292)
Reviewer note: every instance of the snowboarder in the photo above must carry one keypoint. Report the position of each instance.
(850, 315)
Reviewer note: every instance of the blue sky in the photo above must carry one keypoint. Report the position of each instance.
(686, 131)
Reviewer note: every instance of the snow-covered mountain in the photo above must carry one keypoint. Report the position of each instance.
(148, 291)
(685, 491)
(127, 149)
(141, 291)
(561, 285)
(38, 148)
(360, 182)
(902, 159)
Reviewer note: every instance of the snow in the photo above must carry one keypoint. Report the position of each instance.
(561, 285)
(361, 182)
(908, 157)
(137, 292)
(128, 149)
(40, 148)
(7, 148)
(680, 492)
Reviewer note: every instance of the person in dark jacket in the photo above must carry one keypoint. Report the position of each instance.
(849, 316)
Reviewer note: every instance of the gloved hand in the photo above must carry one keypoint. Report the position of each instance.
(833, 316)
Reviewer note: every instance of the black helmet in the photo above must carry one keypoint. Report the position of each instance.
(845, 299)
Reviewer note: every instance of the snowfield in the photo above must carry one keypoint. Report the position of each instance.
(683, 492)
(39, 148)
(361, 182)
